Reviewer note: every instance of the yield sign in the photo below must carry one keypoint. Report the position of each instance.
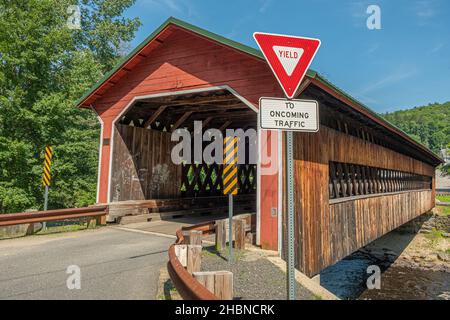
(289, 57)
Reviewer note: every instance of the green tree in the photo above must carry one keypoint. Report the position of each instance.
(429, 125)
(45, 66)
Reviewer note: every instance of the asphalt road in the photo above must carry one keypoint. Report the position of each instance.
(114, 264)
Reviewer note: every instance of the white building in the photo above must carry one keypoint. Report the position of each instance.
(445, 154)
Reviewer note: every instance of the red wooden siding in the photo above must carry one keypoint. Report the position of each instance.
(186, 61)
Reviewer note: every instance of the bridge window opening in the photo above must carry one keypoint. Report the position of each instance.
(351, 180)
(143, 171)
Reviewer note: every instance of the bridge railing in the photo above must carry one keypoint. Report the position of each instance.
(97, 212)
(188, 287)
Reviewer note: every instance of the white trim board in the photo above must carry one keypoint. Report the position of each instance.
(100, 147)
(180, 92)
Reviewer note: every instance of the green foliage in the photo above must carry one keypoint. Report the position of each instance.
(429, 125)
(434, 235)
(44, 68)
(443, 198)
(444, 210)
(446, 169)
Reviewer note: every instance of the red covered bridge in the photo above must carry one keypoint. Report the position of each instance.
(356, 179)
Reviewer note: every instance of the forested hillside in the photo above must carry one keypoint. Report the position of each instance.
(430, 125)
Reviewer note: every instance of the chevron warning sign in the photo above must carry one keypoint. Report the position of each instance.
(46, 176)
(230, 169)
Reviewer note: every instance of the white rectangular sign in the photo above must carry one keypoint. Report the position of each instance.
(292, 115)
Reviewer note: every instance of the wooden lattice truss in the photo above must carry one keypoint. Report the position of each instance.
(206, 180)
(217, 109)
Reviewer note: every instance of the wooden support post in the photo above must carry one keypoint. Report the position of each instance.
(194, 258)
(220, 283)
(193, 237)
(30, 229)
(239, 234)
(91, 222)
(221, 235)
(206, 279)
(249, 238)
(223, 286)
(101, 220)
(181, 253)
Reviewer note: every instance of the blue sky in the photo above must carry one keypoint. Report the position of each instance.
(405, 64)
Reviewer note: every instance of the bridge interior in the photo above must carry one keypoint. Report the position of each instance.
(144, 174)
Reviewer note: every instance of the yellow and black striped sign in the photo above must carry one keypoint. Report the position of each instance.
(230, 168)
(46, 176)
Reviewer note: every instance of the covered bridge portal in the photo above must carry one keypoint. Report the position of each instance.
(356, 179)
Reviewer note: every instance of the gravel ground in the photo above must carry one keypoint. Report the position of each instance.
(255, 278)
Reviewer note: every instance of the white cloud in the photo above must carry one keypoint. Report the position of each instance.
(177, 7)
(373, 48)
(388, 80)
(425, 11)
(174, 5)
(366, 100)
(437, 47)
(358, 12)
(237, 26)
(264, 5)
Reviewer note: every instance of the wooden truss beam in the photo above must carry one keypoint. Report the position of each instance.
(170, 101)
(154, 116)
(225, 125)
(180, 121)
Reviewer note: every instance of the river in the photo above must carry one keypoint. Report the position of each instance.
(347, 279)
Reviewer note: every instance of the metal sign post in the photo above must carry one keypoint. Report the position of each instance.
(230, 183)
(230, 227)
(45, 198)
(289, 115)
(46, 177)
(289, 58)
(290, 215)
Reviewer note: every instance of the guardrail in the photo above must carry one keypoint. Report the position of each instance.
(442, 203)
(97, 212)
(187, 286)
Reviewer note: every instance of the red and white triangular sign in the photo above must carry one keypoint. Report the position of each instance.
(289, 57)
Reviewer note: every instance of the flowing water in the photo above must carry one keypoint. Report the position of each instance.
(347, 279)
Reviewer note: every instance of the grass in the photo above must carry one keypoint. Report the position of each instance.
(68, 225)
(444, 210)
(169, 291)
(212, 251)
(443, 198)
(434, 235)
(64, 228)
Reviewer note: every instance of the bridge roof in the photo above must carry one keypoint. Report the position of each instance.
(156, 38)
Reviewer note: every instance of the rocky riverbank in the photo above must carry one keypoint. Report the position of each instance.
(429, 249)
(414, 261)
